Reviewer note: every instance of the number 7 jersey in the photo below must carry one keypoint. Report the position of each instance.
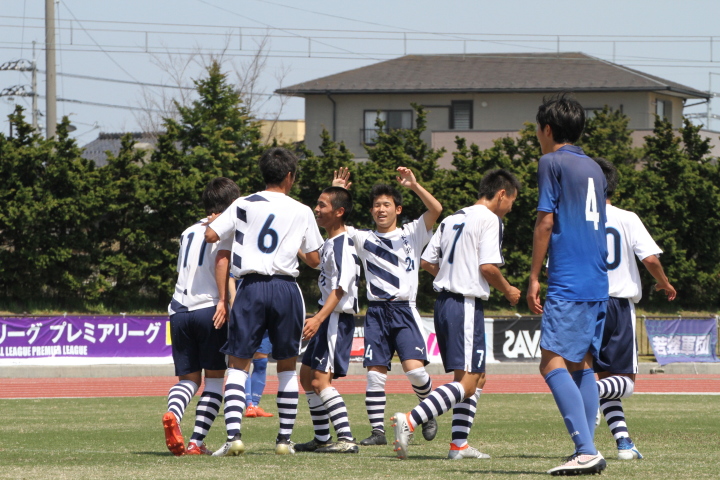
(268, 229)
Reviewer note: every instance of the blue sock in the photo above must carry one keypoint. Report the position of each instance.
(259, 375)
(586, 383)
(248, 391)
(570, 403)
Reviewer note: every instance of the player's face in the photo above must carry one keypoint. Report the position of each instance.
(384, 212)
(505, 203)
(324, 213)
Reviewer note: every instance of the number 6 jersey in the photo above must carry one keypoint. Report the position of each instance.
(268, 229)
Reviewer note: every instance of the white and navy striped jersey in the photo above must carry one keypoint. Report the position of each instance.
(340, 268)
(196, 287)
(391, 260)
(626, 236)
(268, 229)
(465, 240)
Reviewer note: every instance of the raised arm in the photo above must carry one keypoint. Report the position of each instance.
(652, 263)
(341, 178)
(541, 241)
(406, 178)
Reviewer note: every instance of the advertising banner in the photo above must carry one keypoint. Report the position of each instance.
(84, 340)
(683, 340)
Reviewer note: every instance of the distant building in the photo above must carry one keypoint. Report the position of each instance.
(480, 97)
(285, 131)
(98, 148)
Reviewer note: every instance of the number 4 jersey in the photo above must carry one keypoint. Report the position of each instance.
(268, 229)
(465, 240)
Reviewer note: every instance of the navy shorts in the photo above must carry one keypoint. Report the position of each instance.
(329, 350)
(618, 353)
(571, 329)
(460, 332)
(391, 327)
(196, 343)
(263, 302)
(265, 345)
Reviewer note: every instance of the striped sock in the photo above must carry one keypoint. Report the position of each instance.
(438, 402)
(375, 400)
(615, 386)
(287, 403)
(421, 383)
(463, 418)
(179, 397)
(319, 416)
(234, 400)
(337, 411)
(615, 417)
(207, 409)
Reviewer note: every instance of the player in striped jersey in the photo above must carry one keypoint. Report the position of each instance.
(464, 256)
(331, 329)
(616, 364)
(391, 257)
(198, 312)
(268, 228)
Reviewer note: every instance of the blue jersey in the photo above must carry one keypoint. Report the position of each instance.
(572, 187)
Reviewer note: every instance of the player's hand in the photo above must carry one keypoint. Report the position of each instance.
(513, 295)
(533, 297)
(341, 177)
(668, 289)
(220, 316)
(312, 325)
(406, 177)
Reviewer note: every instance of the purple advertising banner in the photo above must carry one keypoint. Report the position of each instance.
(683, 340)
(84, 340)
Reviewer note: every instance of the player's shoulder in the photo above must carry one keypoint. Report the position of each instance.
(196, 227)
(622, 214)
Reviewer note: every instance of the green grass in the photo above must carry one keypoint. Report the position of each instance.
(121, 438)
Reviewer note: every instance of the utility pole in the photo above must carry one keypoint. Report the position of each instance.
(35, 91)
(50, 78)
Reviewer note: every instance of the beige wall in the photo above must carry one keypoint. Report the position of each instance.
(496, 113)
(285, 131)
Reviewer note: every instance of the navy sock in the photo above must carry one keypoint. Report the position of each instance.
(570, 403)
(585, 381)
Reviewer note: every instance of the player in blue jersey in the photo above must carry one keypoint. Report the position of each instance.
(198, 312)
(391, 257)
(463, 256)
(570, 227)
(331, 329)
(268, 229)
(617, 364)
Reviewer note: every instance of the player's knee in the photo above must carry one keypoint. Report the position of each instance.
(260, 365)
(629, 388)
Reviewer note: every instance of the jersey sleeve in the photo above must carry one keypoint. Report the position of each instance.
(643, 244)
(224, 225)
(490, 242)
(548, 186)
(312, 240)
(419, 235)
(225, 243)
(432, 251)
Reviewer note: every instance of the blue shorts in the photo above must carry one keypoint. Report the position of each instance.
(196, 343)
(265, 345)
(390, 327)
(460, 332)
(571, 329)
(266, 303)
(618, 353)
(329, 350)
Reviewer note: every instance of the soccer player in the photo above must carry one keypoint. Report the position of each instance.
(198, 312)
(391, 257)
(570, 227)
(331, 330)
(463, 255)
(617, 363)
(268, 229)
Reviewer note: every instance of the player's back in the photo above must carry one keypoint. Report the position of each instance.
(626, 238)
(196, 287)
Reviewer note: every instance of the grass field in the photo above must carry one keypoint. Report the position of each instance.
(121, 438)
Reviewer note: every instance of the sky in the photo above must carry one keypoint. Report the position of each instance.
(121, 45)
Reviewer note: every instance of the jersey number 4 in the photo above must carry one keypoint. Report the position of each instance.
(591, 208)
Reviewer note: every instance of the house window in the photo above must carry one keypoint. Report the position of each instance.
(393, 119)
(663, 109)
(461, 117)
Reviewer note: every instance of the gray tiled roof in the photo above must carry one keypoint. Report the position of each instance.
(96, 150)
(506, 72)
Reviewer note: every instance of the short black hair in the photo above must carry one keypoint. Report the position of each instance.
(383, 189)
(276, 163)
(219, 194)
(611, 174)
(340, 198)
(565, 116)
(496, 180)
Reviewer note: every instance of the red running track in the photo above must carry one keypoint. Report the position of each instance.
(159, 386)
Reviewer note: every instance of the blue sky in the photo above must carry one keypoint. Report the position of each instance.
(128, 41)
